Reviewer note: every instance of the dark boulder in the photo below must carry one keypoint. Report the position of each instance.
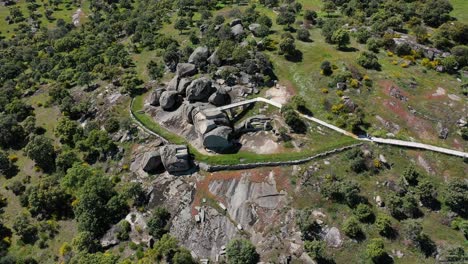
(186, 70)
(200, 89)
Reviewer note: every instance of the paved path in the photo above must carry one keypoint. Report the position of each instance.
(394, 142)
(245, 102)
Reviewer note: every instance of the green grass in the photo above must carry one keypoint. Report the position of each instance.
(460, 10)
(230, 159)
(63, 11)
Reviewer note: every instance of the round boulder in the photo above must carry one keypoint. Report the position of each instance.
(186, 69)
(168, 100)
(218, 139)
(155, 96)
(199, 55)
(220, 97)
(200, 89)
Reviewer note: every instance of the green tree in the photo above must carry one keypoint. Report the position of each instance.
(303, 34)
(155, 71)
(41, 150)
(47, 200)
(241, 251)
(286, 18)
(436, 12)
(329, 7)
(287, 46)
(23, 228)
(112, 125)
(180, 24)
(158, 225)
(427, 192)
(68, 131)
(310, 15)
(86, 242)
(456, 196)
(373, 44)
(11, 133)
(66, 159)
(5, 163)
(368, 60)
(341, 38)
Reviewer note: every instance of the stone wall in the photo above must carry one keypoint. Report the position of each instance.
(212, 168)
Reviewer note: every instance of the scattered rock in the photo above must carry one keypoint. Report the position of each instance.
(442, 131)
(341, 86)
(175, 158)
(235, 22)
(349, 104)
(237, 30)
(395, 92)
(168, 100)
(110, 238)
(333, 237)
(379, 201)
(186, 70)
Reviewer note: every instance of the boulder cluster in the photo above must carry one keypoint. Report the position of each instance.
(172, 158)
(193, 93)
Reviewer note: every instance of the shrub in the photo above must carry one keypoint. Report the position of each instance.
(375, 251)
(363, 212)
(384, 225)
(352, 228)
(303, 34)
(315, 248)
(326, 68)
(112, 125)
(368, 60)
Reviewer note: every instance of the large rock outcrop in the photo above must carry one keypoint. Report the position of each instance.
(200, 89)
(175, 158)
(237, 30)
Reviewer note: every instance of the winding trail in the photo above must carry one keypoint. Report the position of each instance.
(395, 142)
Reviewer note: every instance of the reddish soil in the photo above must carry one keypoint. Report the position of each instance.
(255, 175)
(422, 128)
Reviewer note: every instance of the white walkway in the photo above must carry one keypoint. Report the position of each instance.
(394, 142)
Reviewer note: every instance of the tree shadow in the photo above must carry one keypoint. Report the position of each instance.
(295, 56)
(325, 260)
(12, 171)
(385, 259)
(348, 49)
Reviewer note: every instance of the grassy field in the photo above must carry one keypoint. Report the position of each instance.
(460, 10)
